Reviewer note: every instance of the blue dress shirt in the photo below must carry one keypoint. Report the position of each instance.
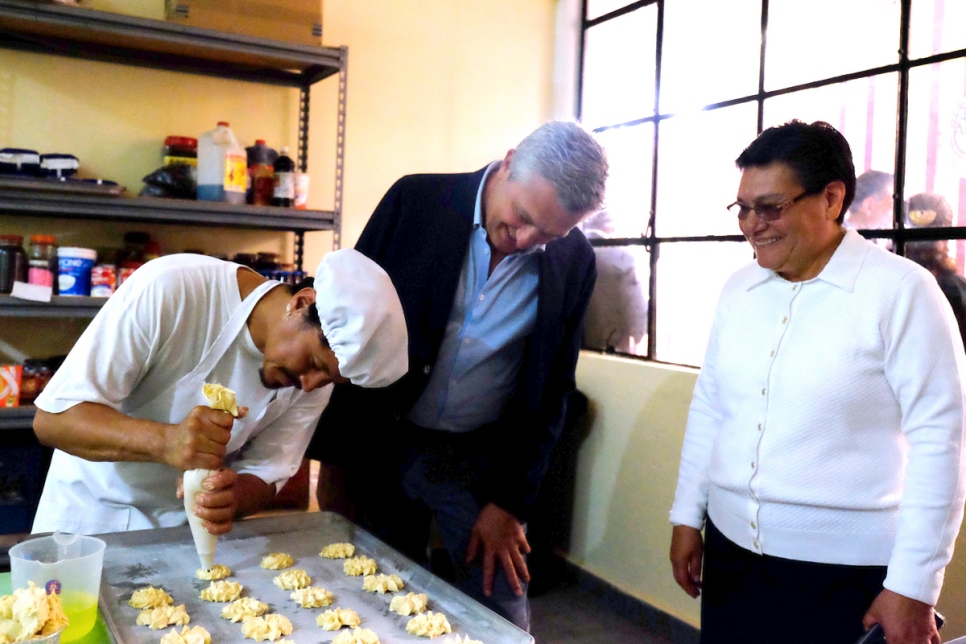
(482, 349)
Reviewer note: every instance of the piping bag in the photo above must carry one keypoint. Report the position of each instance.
(222, 398)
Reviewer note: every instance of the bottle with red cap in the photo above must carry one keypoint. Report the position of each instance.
(222, 166)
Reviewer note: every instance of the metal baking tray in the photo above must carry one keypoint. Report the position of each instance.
(166, 558)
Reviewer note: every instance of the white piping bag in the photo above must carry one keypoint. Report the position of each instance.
(222, 398)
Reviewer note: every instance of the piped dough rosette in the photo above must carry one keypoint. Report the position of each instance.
(163, 617)
(239, 609)
(270, 627)
(410, 604)
(429, 624)
(333, 620)
(150, 597)
(222, 591)
(338, 551)
(193, 635)
(312, 597)
(382, 583)
(220, 397)
(276, 561)
(357, 636)
(361, 565)
(292, 579)
(217, 572)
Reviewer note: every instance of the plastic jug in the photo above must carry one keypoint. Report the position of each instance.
(222, 166)
(64, 564)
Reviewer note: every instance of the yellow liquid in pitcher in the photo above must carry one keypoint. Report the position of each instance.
(81, 610)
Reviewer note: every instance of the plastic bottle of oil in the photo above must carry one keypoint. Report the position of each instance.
(222, 166)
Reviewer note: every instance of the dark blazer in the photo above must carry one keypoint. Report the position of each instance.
(420, 233)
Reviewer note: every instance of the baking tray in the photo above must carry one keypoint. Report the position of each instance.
(166, 558)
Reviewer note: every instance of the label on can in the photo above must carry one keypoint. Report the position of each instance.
(123, 274)
(284, 185)
(103, 279)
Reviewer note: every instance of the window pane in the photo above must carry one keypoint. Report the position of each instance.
(712, 59)
(618, 82)
(944, 259)
(689, 280)
(818, 39)
(617, 314)
(863, 110)
(936, 26)
(936, 142)
(697, 177)
(630, 153)
(597, 8)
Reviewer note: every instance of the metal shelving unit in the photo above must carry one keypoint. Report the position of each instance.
(97, 35)
(17, 417)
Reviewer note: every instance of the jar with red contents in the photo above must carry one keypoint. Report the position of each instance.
(42, 261)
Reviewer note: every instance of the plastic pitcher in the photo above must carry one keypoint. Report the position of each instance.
(222, 166)
(67, 565)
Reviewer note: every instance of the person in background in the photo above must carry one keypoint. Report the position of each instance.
(872, 206)
(823, 454)
(494, 279)
(926, 210)
(617, 314)
(127, 415)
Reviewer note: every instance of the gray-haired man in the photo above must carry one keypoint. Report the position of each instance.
(494, 280)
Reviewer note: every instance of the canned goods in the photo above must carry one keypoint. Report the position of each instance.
(103, 279)
(124, 273)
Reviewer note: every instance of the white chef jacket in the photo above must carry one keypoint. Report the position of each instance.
(827, 421)
(177, 323)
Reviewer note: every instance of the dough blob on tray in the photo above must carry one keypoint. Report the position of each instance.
(361, 565)
(333, 620)
(193, 635)
(277, 561)
(292, 579)
(270, 627)
(409, 604)
(244, 607)
(150, 597)
(222, 591)
(163, 617)
(382, 583)
(357, 636)
(217, 571)
(338, 551)
(312, 597)
(30, 613)
(429, 624)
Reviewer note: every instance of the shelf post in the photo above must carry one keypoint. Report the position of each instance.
(340, 148)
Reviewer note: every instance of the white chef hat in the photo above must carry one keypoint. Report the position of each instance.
(362, 318)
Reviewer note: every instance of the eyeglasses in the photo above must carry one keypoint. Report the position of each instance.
(766, 212)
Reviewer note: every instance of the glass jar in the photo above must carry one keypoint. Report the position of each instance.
(42, 260)
(36, 375)
(13, 262)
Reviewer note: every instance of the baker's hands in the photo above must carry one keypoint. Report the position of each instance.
(687, 548)
(218, 504)
(904, 620)
(200, 440)
(502, 538)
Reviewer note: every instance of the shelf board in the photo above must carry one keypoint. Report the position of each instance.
(17, 417)
(100, 35)
(20, 203)
(58, 307)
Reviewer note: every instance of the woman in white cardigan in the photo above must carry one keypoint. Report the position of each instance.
(823, 453)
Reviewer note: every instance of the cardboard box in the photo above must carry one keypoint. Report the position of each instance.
(297, 21)
(10, 385)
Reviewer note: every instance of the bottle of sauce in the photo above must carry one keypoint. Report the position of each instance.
(284, 194)
(261, 174)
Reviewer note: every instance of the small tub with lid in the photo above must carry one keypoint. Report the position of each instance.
(75, 266)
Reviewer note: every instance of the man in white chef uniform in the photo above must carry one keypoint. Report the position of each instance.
(127, 415)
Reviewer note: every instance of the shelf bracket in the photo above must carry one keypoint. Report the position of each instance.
(299, 249)
(340, 148)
